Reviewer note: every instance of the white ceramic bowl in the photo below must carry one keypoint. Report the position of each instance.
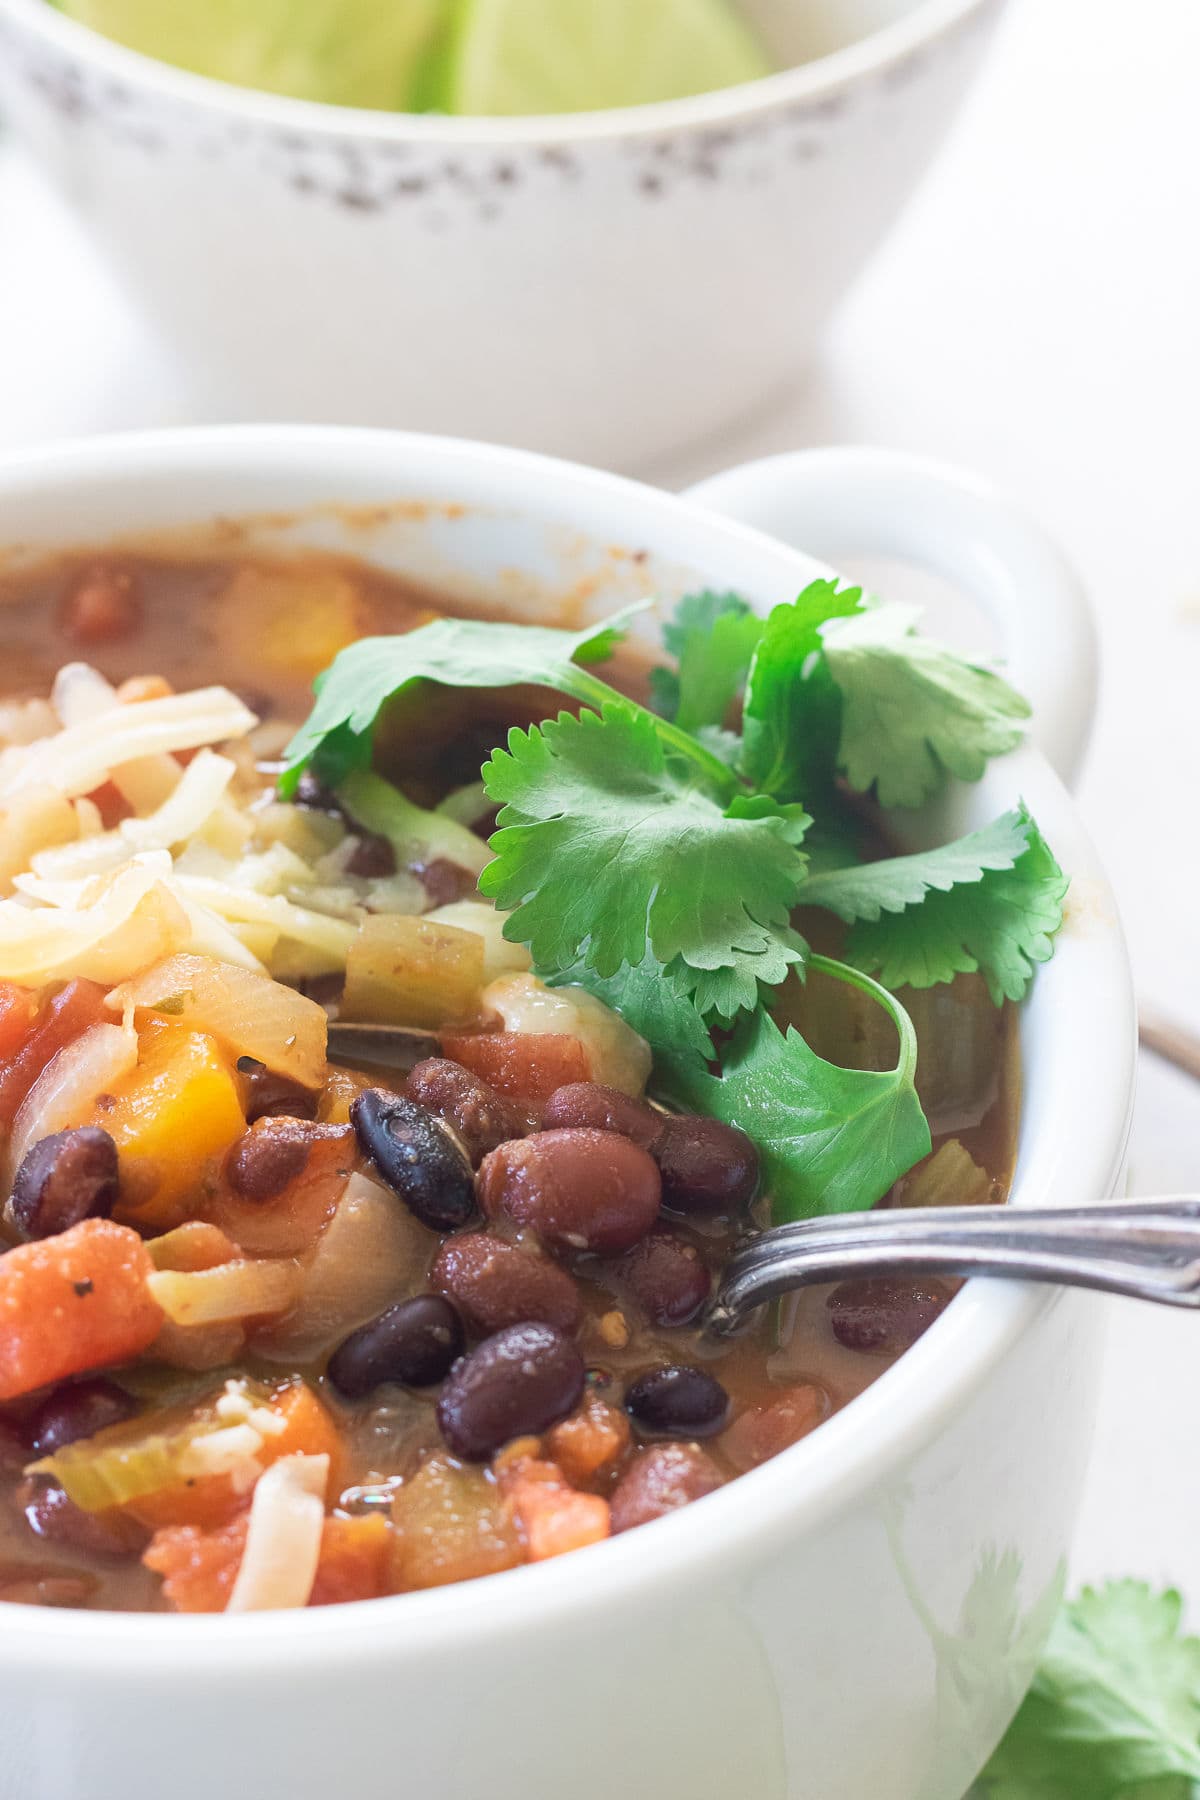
(860, 1616)
(608, 285)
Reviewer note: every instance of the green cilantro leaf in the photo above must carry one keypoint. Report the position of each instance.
(712, 638)
(913, 711)
(745, 980)
(1115, 1706)
(792, 709)
(992, 901)
(595, 811)
(471, 653)
(653, 1001)
(831, 1140)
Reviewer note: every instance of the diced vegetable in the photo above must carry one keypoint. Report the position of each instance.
(199, 1567)
(289, 620)
(526, 1065)
(372, 1251)
(73, 1302)
(172, 1118)
(67, 1090)
(417, 837)
(247, 1013)
(592, 1441)
(353, 1564)
(616, 1055)
(193, 1245)
(452, 1523)
(232, 1290)
(72, 1010)
(19, 1009)
(407, 971)
(950, 1177)
(283, 1537)
(552, 1516)
(500, 957)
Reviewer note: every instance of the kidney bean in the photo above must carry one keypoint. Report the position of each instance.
(483, 1118)
(495, 1284)
(270, 1096)
(763, 1431)
(43, 1584)
(414, 1343)
(659, 1480)
(515, 1384)
(678, 1401)
(666, 1277)
(444, 881)
(270, 1156)
(579, 1190)
(706, 1167)
(600, 1108)
(373, 857)
(78, 1411)
(101, 604)
(416, 1156)
(51, 1515)
(64, 1179)
(884, 1317)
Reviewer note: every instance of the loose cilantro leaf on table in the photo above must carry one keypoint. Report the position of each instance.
(792, 710)
(464, 653)
(913, 711)
(1114, 1709)
(831, 1140)
(991, 901)
(608, 846)
(712, 638)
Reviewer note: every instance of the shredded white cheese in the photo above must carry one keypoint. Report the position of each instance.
(283, 1541)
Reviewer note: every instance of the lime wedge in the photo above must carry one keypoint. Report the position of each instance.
(566, 56)
(367, 53)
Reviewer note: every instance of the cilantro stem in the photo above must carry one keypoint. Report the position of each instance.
(594, 692)
(906, 1068)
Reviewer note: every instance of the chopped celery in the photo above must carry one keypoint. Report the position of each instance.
(950, 1177)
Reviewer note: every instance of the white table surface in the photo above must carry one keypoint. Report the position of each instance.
(1036, 316)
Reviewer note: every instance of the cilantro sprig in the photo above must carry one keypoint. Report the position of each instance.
(1114, 1710)
(657, 858)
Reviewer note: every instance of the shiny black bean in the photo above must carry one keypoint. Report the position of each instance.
(706, 1167)
(78, 1411)
(416, 1156)
(271, 1096)
(884, 1317)
(64, 1179)
(677, 1401)
(52, 1515)
(523, 1380)
(414, 1343)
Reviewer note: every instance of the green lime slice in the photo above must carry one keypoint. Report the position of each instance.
(369, 53)
(567, 56)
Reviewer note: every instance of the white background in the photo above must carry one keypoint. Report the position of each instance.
(1036, 316)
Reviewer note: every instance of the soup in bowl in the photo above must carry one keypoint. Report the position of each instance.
(287, 1329)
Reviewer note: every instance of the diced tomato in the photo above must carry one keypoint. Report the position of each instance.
(591, 1441)
(73, 1302)
(529, 1065)
(111, 804)
(199, 1568)
(552, 1516)
(68, 1015)
(19, 1008)
(763, 1431)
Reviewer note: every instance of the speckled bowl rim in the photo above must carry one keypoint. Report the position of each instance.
(925, 21)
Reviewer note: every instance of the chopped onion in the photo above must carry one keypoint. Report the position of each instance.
(950, 1177)
(618, 1056)
(499, 956)
(65, 1092)
(370, 1252)
(248, 1013)
(84, 755)
(232, 1290)
(283, 1542)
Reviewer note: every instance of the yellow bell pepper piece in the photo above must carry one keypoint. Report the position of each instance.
(172, 1119)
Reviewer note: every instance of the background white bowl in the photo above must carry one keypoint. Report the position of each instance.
(608, 285)
(860, 1616)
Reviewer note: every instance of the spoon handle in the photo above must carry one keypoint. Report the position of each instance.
(1148, 1249)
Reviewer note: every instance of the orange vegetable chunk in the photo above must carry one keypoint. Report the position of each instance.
(552, 1516)
(69, 1014)
(73, 1302)
(18, 1015)
(354, 1560)
(528, 1065)
(199, 1568)
(172, 1120)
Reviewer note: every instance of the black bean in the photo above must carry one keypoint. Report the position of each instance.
(706, 1167)
(416, 1156)
(64, 1179)
(678, 1401)
(414, 1343)
(884, 1317)
(52, 1515)
(482, 1117)
(271, 1096)
(78, 1411)
(521, 1381)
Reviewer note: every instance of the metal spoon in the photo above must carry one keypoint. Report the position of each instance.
(1148, 1249)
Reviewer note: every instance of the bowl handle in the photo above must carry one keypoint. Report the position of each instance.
(848, 501)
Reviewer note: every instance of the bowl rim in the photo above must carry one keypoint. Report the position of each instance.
(755, 1517)
(921, 23)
